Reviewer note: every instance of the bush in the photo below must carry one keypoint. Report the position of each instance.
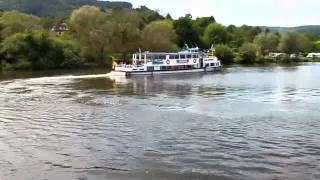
(22, 64)
(261, 60)
(246, 58)
(38, 51)
(247, 53)
(285, 59)
(224, 54)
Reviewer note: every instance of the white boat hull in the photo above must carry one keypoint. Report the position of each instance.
(150, 73)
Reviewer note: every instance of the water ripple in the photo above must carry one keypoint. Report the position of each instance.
(246, 123)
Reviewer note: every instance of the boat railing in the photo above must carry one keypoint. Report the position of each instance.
(128, 65)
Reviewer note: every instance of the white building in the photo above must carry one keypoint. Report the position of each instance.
(313, 55)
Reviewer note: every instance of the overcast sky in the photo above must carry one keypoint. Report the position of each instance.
(238, 12)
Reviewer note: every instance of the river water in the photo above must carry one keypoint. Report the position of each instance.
(243, 123)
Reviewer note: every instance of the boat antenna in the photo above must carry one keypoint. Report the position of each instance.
(212, 48)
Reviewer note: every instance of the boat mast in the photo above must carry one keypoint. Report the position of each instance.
(139, 55)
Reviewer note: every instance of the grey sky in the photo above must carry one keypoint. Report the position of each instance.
(238, 12)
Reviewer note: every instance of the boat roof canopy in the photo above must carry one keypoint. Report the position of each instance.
(183, 51)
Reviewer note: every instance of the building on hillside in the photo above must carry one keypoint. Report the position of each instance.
(274, 55)
(60, 28)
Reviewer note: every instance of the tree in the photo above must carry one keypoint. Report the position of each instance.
(185, 31)
(200, 24)
(149, 15)
(168, 16)
(267, 42)
(126, 31)
(93, 32)
(224, 53)
(159, 36)
(316, 46)
(292, 42)
(33, 51)
(57, 7)
(248, 33)
(235, 36)
(13, 22)
(215, 34)
(248, 53)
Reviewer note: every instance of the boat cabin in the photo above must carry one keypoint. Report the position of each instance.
(186, 59)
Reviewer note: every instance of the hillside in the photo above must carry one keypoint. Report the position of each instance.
(56, 7)
(311, 29)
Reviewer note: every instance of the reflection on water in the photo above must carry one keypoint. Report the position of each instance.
(244, 123)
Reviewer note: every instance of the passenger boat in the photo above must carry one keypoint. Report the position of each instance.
(188, 60)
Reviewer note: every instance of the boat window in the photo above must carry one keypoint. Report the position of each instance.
(212, 64)
(194, 56)
(182, 56)
(171, 57)
(176, 56)
(148, 56)
(162, 57)
(150, 68)
(189, 56)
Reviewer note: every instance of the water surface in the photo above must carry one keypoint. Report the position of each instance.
(244, 123)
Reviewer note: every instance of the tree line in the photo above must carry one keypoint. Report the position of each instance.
(97, 36)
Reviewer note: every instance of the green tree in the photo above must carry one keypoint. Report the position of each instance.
(200, 24)
(293, 42)
(33, 51)
(267, 42)
(248, 33)
(159, 36)
(224, 53)
(187, 34)
(149, 15)
(13, 22)
(126, 32)
(93, 32)
(215, 34)
(235, 36)
(248, 53)
(316, 46)
(168, 16)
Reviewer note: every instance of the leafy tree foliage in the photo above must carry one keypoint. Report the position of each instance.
(248, 53)
(159, 36)
(316, 46)
(57, 7)
(33, 51)
(186, 32)
(215, 34)
(292, 42)
(267, 42)
(224, 53)
(13, 22)
(149, 15)
(93, 32)
(98, 33)
(125, 29)
(200, 24)
(168, 16)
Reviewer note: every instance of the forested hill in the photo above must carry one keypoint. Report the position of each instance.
(311, 29)
(56, 7)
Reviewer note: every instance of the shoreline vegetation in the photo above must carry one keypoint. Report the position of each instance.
(93, 37)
